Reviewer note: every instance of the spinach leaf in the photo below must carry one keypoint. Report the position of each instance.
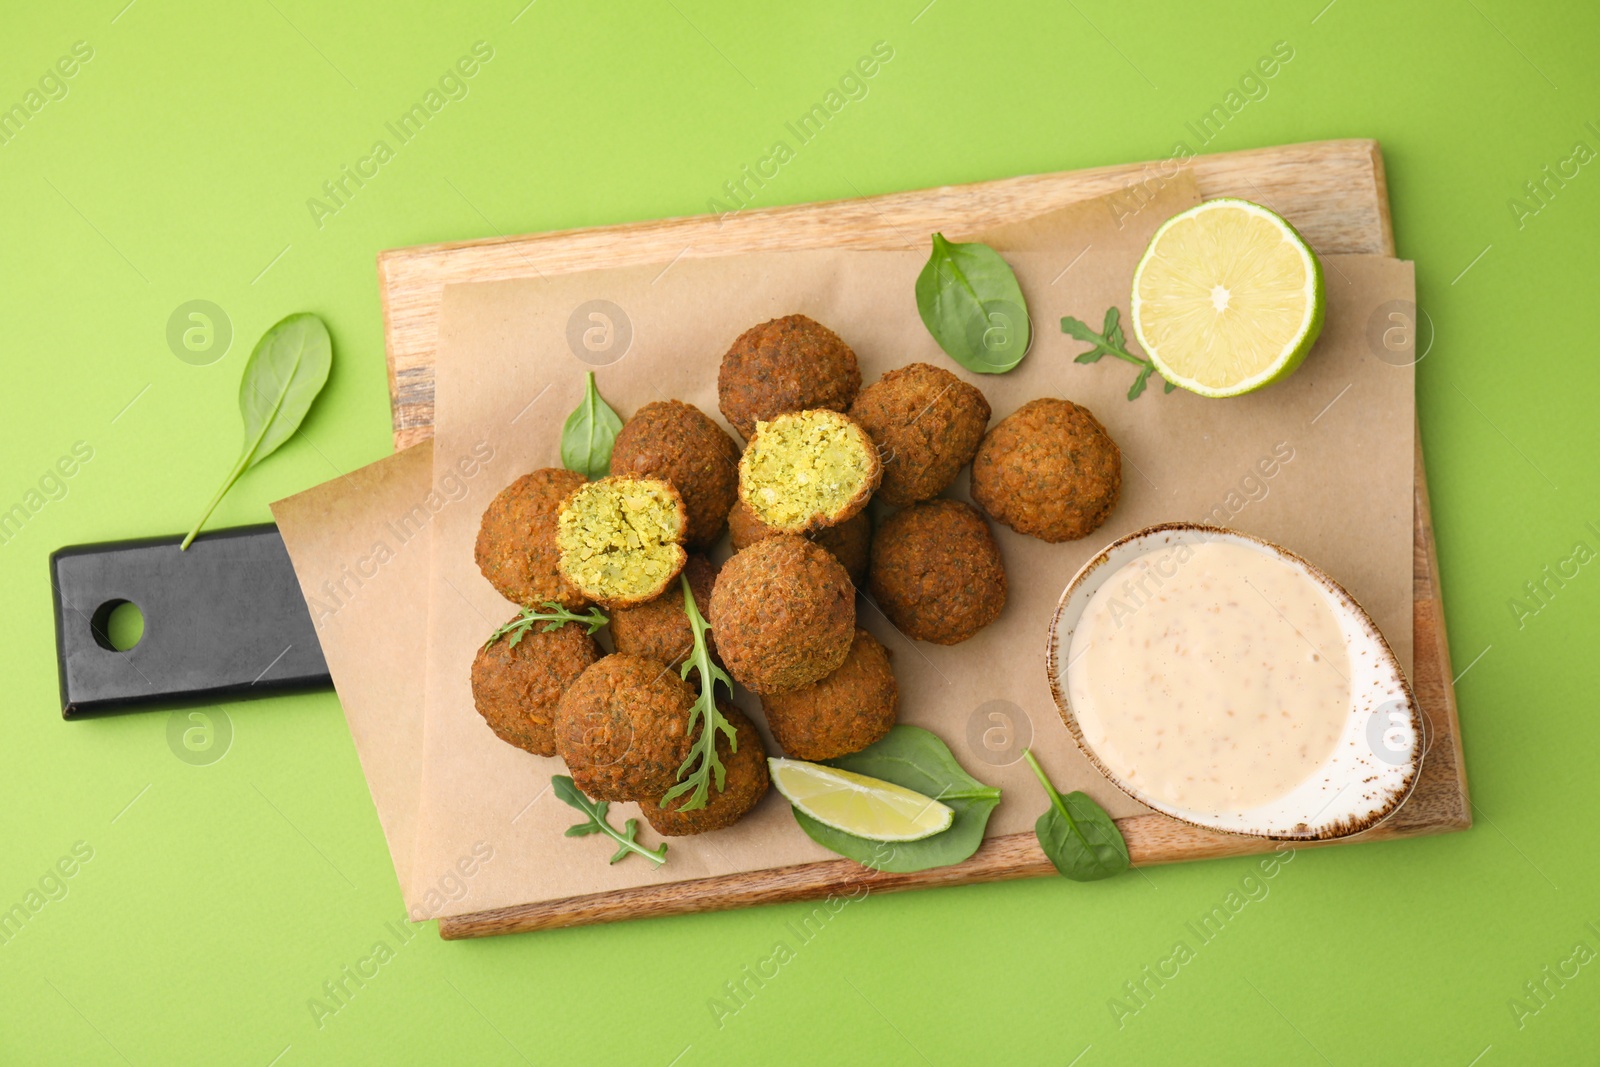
(283, 376)
(590, 432)
(917, 759)
(971, 304)
(1076, 833)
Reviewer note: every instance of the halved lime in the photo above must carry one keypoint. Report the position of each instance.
(858, 805)
(1228, 298)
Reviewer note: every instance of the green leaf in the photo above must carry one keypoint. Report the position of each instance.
(1081, 840)
(554, 617)
(1139, 383)
(917, 759)
(703, 764)
(1113, 328)
(627, 838)
(1110, 342)
(283, 375)
(589, 434)
(971, 303)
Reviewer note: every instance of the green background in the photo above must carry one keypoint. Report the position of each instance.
(220, 898)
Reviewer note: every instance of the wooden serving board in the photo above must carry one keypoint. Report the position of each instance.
(1335, 194)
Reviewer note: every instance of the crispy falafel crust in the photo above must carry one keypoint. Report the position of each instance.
(678, 442)
(516, 547)
(1048, 470)
(849, 541)
(784, 613)
(659, 629)
(621, 728)
(842, 713)
(927, 424)
(936, 571)
(516, 689)
(745, 782)
(786, 364)
(578, 570)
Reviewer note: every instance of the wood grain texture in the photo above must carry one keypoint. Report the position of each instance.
(1334, 191)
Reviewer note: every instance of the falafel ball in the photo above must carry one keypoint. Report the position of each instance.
(516, 548)
(517, 682)
(678, 442)
(621, 728)
(659, 629)
(849, 541)
(786, 364)
(926, 423)
(936, 571)
(805, 470)
(785, 614)
(744, 784)
(621, 538)
(844, 712)
(1048, 470)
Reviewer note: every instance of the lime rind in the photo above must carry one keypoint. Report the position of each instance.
(1293, 353)
(862, 798)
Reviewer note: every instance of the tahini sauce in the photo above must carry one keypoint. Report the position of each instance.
(1212, 677)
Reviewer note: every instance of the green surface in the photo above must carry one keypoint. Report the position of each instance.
(221, 896)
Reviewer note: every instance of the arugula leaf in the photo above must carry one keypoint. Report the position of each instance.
(554, 616)
(1110, 342)
(919, 760)
(971, 303)
(1082, 841)
(703, 763)
(589, 434)
(626, 838)
(285, 372)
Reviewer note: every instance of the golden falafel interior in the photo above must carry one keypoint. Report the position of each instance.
(619, 538)
(804, 464)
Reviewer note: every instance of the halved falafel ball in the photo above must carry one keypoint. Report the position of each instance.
(678, 442)
(786, 364)
(849, 541)
(926, 423)
(516, 686)
(659, 629)
(805, 470)
(1048, 470)
(620, 538)
(842, 713)
(744, 784)
(621, 728)
(516, 548)
(784, 612)
(936, 571)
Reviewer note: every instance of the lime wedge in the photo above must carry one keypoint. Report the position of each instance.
(1228, 298)
(863, 807)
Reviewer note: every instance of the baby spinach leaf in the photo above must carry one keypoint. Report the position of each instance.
(1076, 833)
(284, 374)
(971, 304)
(589, 434)
(917, 759)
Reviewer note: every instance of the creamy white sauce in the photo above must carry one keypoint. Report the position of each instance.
(1211, 677)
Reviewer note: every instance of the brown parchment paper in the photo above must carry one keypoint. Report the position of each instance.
(1322, 464)
(359, 545)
